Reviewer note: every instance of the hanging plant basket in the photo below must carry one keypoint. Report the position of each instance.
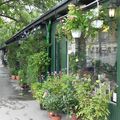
(97, 24)
(76, 33)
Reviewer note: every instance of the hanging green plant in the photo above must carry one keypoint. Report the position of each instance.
(85, 22)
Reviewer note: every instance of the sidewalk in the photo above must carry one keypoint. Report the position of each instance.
(14, 106)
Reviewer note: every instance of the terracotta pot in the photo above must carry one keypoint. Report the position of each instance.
(55, 117)
(17, 78)
(74, 117)
(13, 77)
(50, 114)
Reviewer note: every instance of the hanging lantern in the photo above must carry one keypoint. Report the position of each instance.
(111, 11)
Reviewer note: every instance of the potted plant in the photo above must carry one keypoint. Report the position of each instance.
(93, 105)
(83, 22)
(69, 100)
(38, 93)
(53, 103)
(22, 80)
(37, 64)
(76, 21)
(99, 20)
(13, 73)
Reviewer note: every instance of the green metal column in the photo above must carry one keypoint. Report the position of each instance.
(115, 108)
(118, 65)
(58, 51)
(53, 57)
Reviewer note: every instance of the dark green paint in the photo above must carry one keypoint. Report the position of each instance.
(53, 47)
(58, 51)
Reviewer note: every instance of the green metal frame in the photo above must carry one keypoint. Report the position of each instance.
(58, 51)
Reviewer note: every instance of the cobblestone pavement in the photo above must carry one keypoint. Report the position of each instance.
(13, 106)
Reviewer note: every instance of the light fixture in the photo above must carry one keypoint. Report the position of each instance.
(112, 10)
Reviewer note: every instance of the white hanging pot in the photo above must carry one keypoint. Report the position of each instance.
(76, 33)
(97, 23)
(114, 97)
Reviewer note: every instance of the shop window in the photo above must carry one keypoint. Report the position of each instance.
(97, 57)
(103, 60)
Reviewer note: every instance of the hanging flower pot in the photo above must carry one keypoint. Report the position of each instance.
(114, 97)
(55, 117)
(76, 33)
(97, 23)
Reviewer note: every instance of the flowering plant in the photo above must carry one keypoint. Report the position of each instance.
(77, 19)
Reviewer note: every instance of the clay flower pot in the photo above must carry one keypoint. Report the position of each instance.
(74, 117)
(55, 117)
(13, 77)
(50, 114)
(17, 78)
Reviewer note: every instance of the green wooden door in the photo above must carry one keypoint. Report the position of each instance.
(58, 51)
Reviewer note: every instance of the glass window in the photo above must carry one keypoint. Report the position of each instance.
(103, 58)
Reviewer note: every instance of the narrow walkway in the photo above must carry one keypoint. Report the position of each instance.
(5, 85)
(16, 109)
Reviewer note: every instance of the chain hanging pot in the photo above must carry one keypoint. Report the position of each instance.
(97, 24)
(76, 33)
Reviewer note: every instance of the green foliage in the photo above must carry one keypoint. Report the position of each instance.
(73, 59)
(12, 59)
(37, 64)
(78, 19)
(53, 103)
(92, 104)
(14, 15)
(60, 96)
(106, 68)
(37, 91)
(21, 74)
(33, 44)
(13, 71)
(88, 99)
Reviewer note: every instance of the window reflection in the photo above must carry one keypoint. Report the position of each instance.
(102, 54)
